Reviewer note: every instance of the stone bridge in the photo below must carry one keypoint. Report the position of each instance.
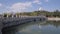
(8, 22)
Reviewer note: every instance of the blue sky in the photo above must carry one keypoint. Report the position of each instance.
(28, 5)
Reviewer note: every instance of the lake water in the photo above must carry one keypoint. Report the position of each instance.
(45, 27)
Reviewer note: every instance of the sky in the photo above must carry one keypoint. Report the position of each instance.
(11, 6)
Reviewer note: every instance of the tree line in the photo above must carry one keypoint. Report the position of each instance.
(55, 13)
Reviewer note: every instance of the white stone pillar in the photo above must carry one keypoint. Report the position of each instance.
(12, 16)
(16, 16)
(7, 16)
(19, 16)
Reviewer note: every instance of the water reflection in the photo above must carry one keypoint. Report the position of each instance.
(47, 27)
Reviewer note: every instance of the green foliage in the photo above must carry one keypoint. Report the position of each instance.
(5, 15)
(55, 13)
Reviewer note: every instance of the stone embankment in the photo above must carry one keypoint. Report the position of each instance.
(54, 19)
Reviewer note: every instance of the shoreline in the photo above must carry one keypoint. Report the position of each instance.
(53, 19)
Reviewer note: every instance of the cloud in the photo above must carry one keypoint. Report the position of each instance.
(37, 2)
(20, 6)
(0, 4)
(46, 0)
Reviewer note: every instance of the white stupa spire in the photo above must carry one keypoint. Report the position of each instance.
(40, 8)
